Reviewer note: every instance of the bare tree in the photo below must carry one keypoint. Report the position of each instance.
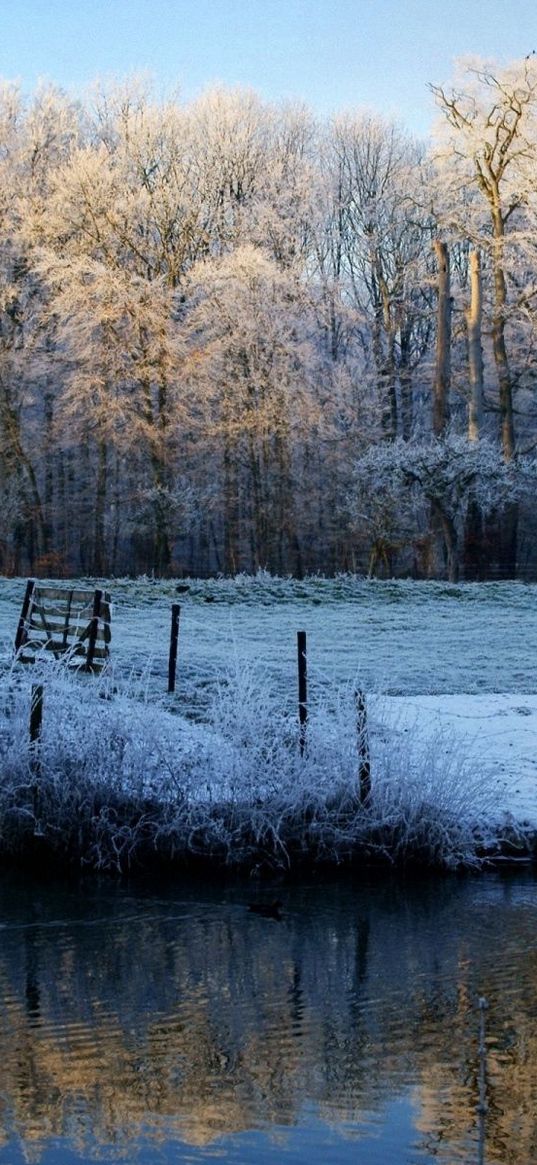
(384, 240)
(491, 122)
(442, 377)
(446, 474)
(250, 376)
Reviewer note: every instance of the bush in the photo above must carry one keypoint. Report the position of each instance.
(118, 781)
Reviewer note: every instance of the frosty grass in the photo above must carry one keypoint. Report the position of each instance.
(449, 673)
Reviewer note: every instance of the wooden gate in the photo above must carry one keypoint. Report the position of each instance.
(73, 624)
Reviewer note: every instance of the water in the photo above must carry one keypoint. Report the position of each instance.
(170, 1024)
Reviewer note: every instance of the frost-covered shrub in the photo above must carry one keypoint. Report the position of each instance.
(117, 780)
(395, 485)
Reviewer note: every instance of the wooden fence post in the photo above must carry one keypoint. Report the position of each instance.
(36, 721)
(364, 761)
(21, 629)
(174, 636)
(36, 713)
(94, 629)
(302, 688)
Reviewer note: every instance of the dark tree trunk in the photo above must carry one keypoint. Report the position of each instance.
(99, 547)
(407, 397)
(451, 543)
(231, 512)
(442, 377)
(474, 317)
(475, 555)
(474, 550)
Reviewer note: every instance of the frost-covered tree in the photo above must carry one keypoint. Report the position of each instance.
(287, 187)
(115, 245)
(210, 310)
(120, 355)
(488, 166)
(490, 128)
(385, 240)
(230, 134)
(36, 136)
(250, 375)
(395, 485)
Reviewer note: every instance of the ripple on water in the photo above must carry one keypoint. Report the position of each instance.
(177, 1026)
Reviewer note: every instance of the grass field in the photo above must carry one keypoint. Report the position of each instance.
(402, 638)
(451, 693)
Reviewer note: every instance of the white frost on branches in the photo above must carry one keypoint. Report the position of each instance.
(393, 482)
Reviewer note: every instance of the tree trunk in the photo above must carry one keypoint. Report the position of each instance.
(162, 555)
(260, 548)
(451, 542)
(384, 344)
(99, 548)
(508, 530)
(156, 415)
(474, 317)
(442, 376)
(498, 338)
(405, 380)
(20, 466)
(231, 510)
(441, 386)
(474, 555)
(508, 541)
(378, 355)
(48, 499)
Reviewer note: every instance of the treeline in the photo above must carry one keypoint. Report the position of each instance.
(234, 337)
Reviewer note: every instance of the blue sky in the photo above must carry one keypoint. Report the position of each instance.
(332, 54)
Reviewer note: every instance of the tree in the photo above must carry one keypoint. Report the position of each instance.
(447, 474)
(120, 352)
(384, 241)
(36, 137)
(490, 117)
(209, 311)
(229, 136)
(492, 147)
(249, 375)
(114, 246)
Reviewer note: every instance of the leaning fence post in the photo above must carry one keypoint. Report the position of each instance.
(302, 688)
(94, 629)
(174, 636)
(21, 629)
(364, 761)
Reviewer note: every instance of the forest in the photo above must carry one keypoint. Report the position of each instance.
(236, 336)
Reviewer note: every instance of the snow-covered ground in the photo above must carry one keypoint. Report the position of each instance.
(453, 662)
(498, 732)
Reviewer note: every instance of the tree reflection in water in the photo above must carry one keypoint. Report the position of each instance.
(180, 1017)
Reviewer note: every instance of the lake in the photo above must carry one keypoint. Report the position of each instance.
(160, 1023)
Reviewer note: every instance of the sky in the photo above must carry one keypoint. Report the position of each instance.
(330, 54)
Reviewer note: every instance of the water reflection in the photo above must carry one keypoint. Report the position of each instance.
(136, 1024)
